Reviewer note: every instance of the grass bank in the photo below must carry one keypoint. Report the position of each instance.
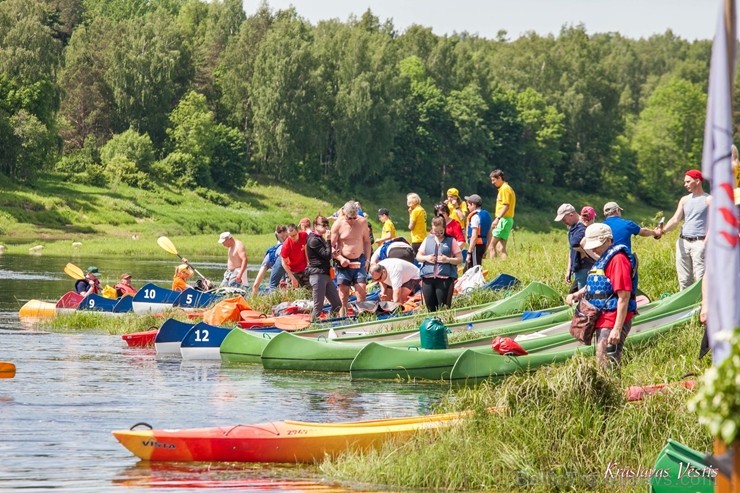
(121, 220)
(560, 430)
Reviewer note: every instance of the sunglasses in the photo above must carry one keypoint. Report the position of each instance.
(351, 218)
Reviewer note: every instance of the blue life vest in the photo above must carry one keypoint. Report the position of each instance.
(383, 250)
(272, 253)
(599, 289)
(445, 248)
(485, 226)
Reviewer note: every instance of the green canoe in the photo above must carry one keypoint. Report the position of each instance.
(679, 469)
(383, 361)
(475, 365)
(244, 346)
(289, 352)
(513, 305)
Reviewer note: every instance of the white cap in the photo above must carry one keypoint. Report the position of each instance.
(224, 236)
(596, 235)
(563, 211)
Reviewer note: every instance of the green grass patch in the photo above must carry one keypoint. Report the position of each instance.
(560, 428)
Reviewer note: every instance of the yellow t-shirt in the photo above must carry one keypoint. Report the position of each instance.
(454, 215)
(736, 169)
(505, 196)
(419, 217)
(389, 230)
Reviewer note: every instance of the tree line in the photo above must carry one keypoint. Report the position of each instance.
(198, 94)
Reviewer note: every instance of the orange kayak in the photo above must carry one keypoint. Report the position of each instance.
(276, 441)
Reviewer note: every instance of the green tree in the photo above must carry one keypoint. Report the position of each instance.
(668, 138)
(229, 163)
(135, 147)
(148, 70)
(33, 147)
(283, 99)
(87, 106)
(191, 133)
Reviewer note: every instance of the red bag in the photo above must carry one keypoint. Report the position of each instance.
(507, 346)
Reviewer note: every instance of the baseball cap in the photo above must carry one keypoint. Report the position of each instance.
(184, 267)
(588, 212)
(474, 199)
(596, 235)
(126, 276)
(695, 174)
(224, 236)
(93, 270)
(610, 207)
(563, 211)
(453, 192)
(384, 212)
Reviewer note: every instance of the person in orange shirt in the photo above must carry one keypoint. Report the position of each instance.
(183, 272)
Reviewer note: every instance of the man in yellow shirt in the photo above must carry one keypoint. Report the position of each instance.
(503, 220)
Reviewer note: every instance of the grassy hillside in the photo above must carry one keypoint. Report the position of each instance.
(55, 213)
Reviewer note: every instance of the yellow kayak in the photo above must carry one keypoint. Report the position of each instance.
(38, 309)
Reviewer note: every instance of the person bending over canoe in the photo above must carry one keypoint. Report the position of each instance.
(90, 284)
(397, 279)
(124, 286)
(183, 272)
(271, 260)
(236, 264)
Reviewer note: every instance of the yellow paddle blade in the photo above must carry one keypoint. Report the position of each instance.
(7, 370)
(166, 245)
(74, 272)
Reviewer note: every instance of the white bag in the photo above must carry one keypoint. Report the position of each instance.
(470, 280)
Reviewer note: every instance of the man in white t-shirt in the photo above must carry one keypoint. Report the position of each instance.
(397, 278)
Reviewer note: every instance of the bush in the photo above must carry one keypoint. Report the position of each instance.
(213, 196)
(121, 170)
(135, 147)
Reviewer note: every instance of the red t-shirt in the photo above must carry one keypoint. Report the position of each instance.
(295, 252)
(619, 271)
(453, 229)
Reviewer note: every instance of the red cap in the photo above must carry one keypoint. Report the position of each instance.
(695, 174)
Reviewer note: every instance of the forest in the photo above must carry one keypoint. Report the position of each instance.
(198, 94)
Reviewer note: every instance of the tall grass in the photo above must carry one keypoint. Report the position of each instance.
(558, 429)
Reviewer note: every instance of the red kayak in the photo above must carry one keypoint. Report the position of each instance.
(638, 392)
(141, 339)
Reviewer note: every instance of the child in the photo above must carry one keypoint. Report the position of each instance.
(182, 273)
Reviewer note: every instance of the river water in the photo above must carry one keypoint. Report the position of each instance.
(71, 390)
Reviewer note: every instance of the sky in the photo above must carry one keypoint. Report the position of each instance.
(690, 19)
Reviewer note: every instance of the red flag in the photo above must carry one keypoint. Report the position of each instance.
(723, 248)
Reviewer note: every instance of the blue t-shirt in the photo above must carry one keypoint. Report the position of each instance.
(622, 230)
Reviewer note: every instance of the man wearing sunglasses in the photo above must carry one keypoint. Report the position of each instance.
(351, 247)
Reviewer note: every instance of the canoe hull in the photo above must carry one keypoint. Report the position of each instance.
(277, 441)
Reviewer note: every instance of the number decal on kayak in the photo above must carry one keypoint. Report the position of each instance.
(189, 299)
(91, 303)
(150, 294)
(297, 432)
(201, 335)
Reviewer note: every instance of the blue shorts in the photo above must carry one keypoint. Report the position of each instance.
(349, 276)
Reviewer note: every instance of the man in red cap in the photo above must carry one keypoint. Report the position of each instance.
(692, 210)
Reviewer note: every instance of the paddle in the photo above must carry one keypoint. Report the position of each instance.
(169, 247)
(7, 370)
(290, 323)
(74, 272)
